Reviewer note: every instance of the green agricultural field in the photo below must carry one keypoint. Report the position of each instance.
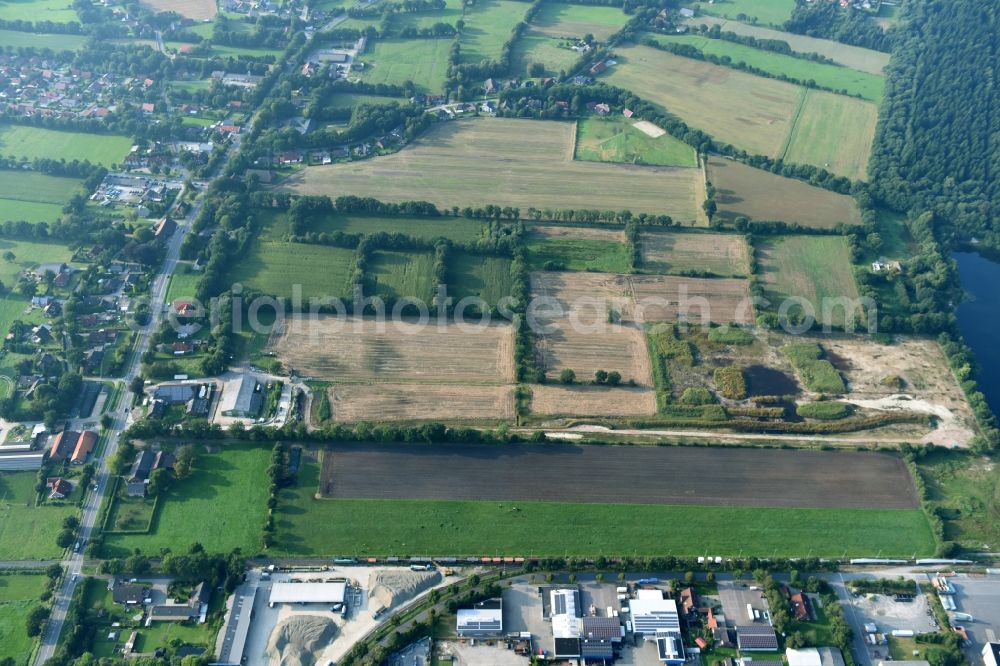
(56, 11)
(32, 142)
(28, 532)
(19, 594)
(310, 527)
(458, 229)
(40, 40)
(183, 282)
(488, 24)
(351, 100)
(768, 12)
(585, 254)
(855, 57)
(29, 211)
(530, 165)
(863, 84)
(814, 268)
(553, 53)
(33, 197)
(273, 268)
(820, 136)
(557, 19)
(394, 275)
(393, 61)
(237, 51)
(419, 20)
(487, 278)
(617, 140)
(28, 254)
(273, 265)
(775, 118)
(222, 506)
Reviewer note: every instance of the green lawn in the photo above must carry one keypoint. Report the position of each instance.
(614, 139)
(27, 531)
(576, 255)
(533, 47)
(394, 61)
(238, 51)
(57, 11)
(195, 85)
(222, 506)
(488, 24)
(162, 634)
(32, 142)
(40, 40)
(394, 275)
(33, 197)
(183, 283)
(487, 278)
(814, 268)
(868, 86)
(28, 254)
(768, 12)
(311, 527)
(18, 595)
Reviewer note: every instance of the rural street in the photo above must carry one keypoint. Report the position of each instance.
(74, 560)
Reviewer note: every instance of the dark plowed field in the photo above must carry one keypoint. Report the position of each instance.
(619, 474)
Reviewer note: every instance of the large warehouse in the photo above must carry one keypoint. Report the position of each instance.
(307, 593)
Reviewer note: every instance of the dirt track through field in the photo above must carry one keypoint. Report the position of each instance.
(618, 474)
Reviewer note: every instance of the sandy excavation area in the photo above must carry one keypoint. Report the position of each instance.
(928, 384)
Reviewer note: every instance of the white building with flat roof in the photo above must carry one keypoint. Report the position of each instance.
(307, 593)
(483, 619)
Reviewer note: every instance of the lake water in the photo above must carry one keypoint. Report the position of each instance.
(979, 319)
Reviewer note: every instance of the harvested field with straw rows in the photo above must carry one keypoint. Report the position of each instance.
(421, 402)
(556, 400)
(352, 350)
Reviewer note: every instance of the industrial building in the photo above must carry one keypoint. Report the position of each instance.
(757, 638)
(308, 593)
(656, 619)
(233, 639)
(241, 397)
(483, 620)
(824, 656)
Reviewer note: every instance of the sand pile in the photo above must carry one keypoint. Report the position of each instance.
(390, 588)
(300, 640)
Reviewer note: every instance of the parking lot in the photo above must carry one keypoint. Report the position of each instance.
(979, 597)
(735, 595)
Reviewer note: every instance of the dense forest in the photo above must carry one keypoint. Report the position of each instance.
(938, 144)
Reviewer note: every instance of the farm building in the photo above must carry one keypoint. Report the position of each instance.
(63, 445)
(85, 444)
(241, 398)
(196, 608)
(482, 620)
(757, 638)
(824, 656)
(11, 461)
(307, 593)
(129, 595)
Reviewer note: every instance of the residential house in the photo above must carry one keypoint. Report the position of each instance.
(138, 477)
(59, 488)
(129, 595)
